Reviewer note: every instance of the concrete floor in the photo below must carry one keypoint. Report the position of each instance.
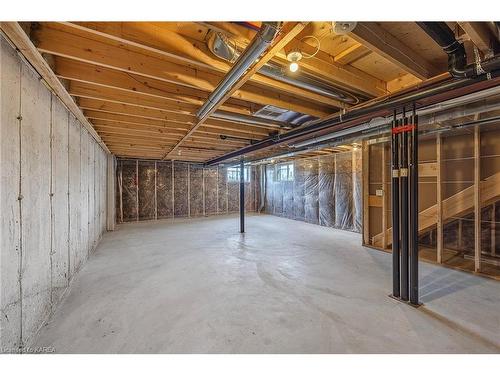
(198, 286)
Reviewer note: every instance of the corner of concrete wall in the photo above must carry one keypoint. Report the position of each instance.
(52, 200)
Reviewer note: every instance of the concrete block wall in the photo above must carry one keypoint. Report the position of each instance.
(52, 200)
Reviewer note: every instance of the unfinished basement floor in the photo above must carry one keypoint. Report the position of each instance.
(198, 286)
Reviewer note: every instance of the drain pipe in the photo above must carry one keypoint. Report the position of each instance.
(259, 44)
(457, 58)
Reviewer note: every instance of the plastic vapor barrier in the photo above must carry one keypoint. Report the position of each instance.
(147, 190)
(323, 190)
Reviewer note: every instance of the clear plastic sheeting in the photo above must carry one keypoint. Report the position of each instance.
(164, 189)
(324, 190)
(343, 191)
(357, 190)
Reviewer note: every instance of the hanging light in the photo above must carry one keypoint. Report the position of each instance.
(294, 57)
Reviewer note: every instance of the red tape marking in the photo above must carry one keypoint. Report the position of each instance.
(403, 129)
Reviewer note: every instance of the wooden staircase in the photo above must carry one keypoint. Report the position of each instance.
(459, 204)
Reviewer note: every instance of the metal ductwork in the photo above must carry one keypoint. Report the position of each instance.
(308, 83)
(250, 120)
(431, 94)
(258, 45)
(457, 58)
(220, 45)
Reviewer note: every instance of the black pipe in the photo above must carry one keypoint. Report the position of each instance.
(414, 211)
(242, 196)
(457, 57)
(404, 211)
(387, 104)
(395, 208)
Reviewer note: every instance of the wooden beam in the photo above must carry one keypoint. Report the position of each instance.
(22, 42)
(428, 169)
(133, 110)
(366, 191)
(477, 199)
(72, 46)
(373, 36)
(439, 199)
(91, 91)
(323, 66)
(479, 33)
(402, 82)
(231, 129)
(125, 109)
(351, 54)
(288, 32)
(94, 74)
(458, 205)
(159, 38)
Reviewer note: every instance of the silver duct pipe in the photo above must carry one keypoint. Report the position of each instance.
(250, 120)
(221, 47)
(259, 44)
(372, 124)
(427, 115)
(306, 83)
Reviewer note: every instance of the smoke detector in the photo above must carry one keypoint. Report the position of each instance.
(343, 27)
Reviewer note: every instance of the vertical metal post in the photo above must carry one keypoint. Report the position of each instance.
(404, 212)
(439, 192)
(242, 196)
(395, 209)
(477, 199)
(414, 210)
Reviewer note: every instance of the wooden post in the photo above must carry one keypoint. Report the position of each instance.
(172, 178)
(439, 198)
(384, 196)
(477, 201)
(137, 188)
(459, 237)
(366, 192)
(156, 192)
(493, 230)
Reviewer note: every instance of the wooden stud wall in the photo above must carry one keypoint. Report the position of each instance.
(459, 185)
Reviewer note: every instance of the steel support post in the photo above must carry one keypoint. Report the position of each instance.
(404, 212)
(414, 211)
(242, 196)
(395, 208)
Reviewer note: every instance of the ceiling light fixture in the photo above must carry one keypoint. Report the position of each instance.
(294, 57)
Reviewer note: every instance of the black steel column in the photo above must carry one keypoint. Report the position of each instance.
(395, 208)
(404, 211)
(414, 211)
(242, 196)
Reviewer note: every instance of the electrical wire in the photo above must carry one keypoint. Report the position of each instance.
(308, 56)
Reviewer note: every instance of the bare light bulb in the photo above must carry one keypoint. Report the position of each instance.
(293, 66)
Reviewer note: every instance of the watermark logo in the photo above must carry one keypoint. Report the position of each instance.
(28, 350)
